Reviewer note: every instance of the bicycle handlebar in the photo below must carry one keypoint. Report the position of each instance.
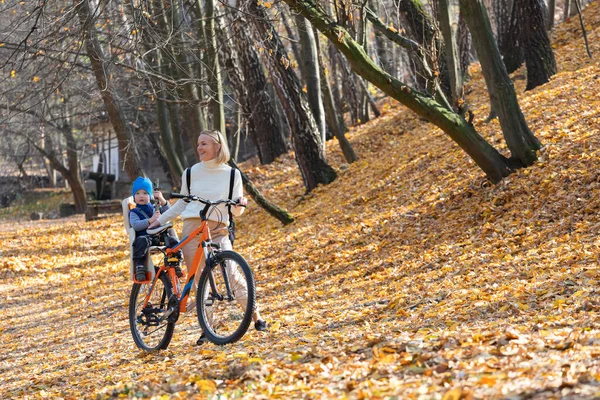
(191, 197)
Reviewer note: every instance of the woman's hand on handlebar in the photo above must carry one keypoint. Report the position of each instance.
(241, 202)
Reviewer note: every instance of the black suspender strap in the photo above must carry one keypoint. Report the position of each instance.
(188, 178)
(231, 181)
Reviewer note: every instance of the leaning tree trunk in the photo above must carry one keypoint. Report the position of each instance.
(306, 140)
(269, 207)
(127, 148)
(539, 57)
(252, 92)
(520, 140)
(485, 156)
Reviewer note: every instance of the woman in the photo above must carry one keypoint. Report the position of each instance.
(210, 180)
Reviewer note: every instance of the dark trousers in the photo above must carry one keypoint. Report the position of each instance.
(141, 244)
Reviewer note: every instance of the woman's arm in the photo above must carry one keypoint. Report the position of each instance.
(176, 209)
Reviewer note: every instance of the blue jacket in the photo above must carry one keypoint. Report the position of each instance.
(138, 221)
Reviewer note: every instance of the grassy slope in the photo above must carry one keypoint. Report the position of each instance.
(410, 275)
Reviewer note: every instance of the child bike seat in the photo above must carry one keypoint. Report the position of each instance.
(127, 204)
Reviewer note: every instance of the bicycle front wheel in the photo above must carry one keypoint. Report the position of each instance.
(225, 310)
(148, 330)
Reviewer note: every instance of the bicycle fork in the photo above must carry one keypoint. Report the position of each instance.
(213, 286)
(210, 260)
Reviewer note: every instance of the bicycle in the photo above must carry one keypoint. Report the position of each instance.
(226, 278)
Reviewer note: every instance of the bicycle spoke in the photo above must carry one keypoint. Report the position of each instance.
(225, 314)
(149, 332)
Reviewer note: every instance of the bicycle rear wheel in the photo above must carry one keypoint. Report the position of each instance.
(148, 331)
(226, 315)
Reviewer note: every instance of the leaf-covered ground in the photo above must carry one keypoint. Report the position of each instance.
(409, 276)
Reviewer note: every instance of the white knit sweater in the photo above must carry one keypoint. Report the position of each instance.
(210, 181)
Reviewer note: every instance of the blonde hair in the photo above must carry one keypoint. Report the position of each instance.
(223, 155)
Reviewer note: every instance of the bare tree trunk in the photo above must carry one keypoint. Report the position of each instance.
(167, 115)
(306, 140)
(350, 91)
(509, 36)
(72, 174)
(47, 144)
(464, 47)
(587, 46)
(485, 156)
(361, 38)
(195, 121)
(539, 57)
(570, 9)
(551, 13)
(310, 71)
(215, 82)
(294, 42)
(166, 139)
(423, 31)
(520, 140)
(449, 11)
(333, 54)
(380, 44)
(251, 91)
(127, 148)
(332, 114)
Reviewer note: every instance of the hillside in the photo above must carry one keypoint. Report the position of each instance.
(409, 276)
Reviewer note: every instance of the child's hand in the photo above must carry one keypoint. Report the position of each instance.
(153, 224)
(154, 217)
(159, 196)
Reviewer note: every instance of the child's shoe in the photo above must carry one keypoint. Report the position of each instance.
(260, 325)
(202, 340)
(140, 273)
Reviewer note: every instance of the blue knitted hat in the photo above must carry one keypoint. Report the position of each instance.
(142, 183)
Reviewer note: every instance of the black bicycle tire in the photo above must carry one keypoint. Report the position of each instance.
(168, 335)
(245, 324)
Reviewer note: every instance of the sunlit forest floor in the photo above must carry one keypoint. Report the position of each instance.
(410, 276)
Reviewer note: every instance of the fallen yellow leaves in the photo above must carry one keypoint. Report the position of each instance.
(409, 276)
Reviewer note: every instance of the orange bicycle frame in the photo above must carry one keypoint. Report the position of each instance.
(199, 259)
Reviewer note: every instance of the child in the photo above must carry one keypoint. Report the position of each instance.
(140, 217)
